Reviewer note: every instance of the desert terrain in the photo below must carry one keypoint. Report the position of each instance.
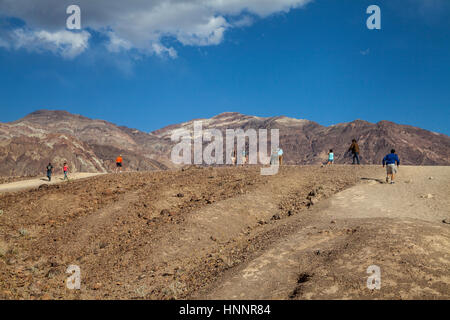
(309, 232)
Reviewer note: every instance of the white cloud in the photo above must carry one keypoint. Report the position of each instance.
(209, 33)
(245, 21)
(65, 43)
(138, 24)
(160, 49)
(68, 44)
(117, 44)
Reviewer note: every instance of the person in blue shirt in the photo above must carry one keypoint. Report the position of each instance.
(391, 161)
(330, 157)
(244, 157)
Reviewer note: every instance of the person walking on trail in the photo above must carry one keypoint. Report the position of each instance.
(274, 157)
(391, 161)
(244, 157)
(234, 157)
(354, 148)
(119, 161)
(280, 156)
(49, 171)
(330, 157)
(66, 171)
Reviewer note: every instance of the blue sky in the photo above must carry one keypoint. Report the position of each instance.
(314, 60)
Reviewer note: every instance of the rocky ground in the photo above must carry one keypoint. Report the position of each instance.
(199, 232)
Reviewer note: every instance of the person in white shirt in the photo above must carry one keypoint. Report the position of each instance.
(280, 156)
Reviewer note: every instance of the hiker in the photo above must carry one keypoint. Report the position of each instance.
(244, 157)
(66, 171)
(330, 157)
(49, 171)
(119, 163)
(233, 157)
(280, 156)
(274, 157)
(391, 161)
(354, 148)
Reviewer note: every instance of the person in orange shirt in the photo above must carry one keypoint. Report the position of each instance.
(119, 164)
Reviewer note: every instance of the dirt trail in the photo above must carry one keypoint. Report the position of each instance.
(35, 183)
(397, 227)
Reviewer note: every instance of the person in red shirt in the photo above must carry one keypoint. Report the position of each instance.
(119, 164)
(66, 170)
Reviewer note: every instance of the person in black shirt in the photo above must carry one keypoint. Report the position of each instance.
(49, 171)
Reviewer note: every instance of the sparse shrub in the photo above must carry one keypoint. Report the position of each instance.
(23, 232)
(1, 213)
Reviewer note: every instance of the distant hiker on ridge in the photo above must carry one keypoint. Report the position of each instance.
(330, 157)
(234, 157)
(354, 148)
(49, 171)
(119, 163)
(280, 156)
(244, 157)
(274, 157)
(66, 171)
(391, 161)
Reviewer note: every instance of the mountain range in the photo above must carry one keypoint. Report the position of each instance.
(28, 144)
